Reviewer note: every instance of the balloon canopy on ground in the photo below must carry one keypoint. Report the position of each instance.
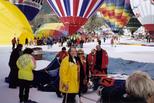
(116, 13)
(13, 23)
(144, 11)
(51, 29)
(74, 13)
(29, 7)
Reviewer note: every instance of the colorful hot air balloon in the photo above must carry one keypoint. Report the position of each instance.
(74, 13)
(29, 7)
(116, 13)
(51, 29)
(13, 23)
(144, 11)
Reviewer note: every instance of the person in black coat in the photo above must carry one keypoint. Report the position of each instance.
(13, 75)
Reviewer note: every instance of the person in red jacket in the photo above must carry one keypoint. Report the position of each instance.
(101, 62)
(62, 54)
(91, 58)
(99, 67)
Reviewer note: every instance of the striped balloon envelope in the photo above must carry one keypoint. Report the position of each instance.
(74, 13)
(29, 7)
(13, 24)
(144, 11)
(116, 13)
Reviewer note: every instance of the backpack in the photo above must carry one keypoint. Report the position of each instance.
(113, 94)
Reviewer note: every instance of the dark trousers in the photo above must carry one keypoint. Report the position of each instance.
(69, 98)
(57, 88)
(96, 83)
(83, 88)
(13, 77)
(24, 87)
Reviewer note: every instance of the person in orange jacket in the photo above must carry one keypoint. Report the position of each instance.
(62, 54)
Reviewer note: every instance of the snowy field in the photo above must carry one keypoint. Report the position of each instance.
(123, 59)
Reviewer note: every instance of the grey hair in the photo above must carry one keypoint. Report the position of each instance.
(140, 84)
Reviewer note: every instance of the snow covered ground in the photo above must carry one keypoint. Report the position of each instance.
(123, 59)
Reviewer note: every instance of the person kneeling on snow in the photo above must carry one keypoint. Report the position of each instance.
(26, 63)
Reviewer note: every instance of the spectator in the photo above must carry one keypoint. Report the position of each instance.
(18, 41)
(104, 39)
(13, 43)
(13, 75)
(91, 60)
(112, 41)
(62, 54)
(26, 41)
(139, 88)
(100, 67)
(101, 62)
(81, 43)
(84, 72)
(99, 42)
(70, 76)
(26, 63)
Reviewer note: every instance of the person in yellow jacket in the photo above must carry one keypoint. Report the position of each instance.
(69, 76)
(26, 63)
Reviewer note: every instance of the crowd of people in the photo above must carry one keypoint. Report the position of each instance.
(77, 41)
(76, 68)
(22, 64)
(75, 72)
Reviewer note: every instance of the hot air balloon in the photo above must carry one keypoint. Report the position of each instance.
(29, 7)
(54, 30)
(133, 24)
(13, 23)
(144, 11)
(74, 13)
(116, 13)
